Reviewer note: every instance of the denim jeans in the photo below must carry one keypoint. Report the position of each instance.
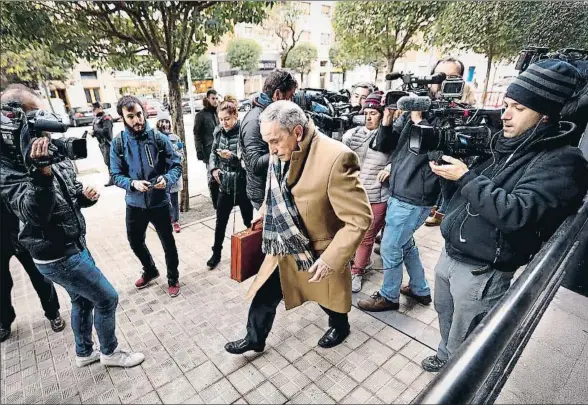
(93, 300)
(174, 206)
(398, 247)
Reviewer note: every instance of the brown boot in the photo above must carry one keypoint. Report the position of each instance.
(435, 220)
(377, 303)
(423, 299)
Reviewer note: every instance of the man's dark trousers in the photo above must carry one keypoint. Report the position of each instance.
(137, 221)
(263, 311)
(44, 287)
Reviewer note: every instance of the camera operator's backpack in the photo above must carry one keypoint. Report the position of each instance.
(117, 144)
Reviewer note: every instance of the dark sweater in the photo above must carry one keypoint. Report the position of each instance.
(204, 125)
(255, 155)
(516, 202)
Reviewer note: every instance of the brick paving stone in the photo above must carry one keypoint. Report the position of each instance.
(183, 338)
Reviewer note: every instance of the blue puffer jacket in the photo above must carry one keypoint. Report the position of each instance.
(144, 157)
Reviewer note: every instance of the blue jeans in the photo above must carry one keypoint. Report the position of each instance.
(93, 300)
(398, 246)
(174, 206)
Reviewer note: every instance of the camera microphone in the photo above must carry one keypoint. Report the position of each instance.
(393, 76)
(414, 103)
(437, 78)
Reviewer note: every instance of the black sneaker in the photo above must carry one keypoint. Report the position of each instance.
(4, 333)
(433, 364)
(213, 261)
(57, 324)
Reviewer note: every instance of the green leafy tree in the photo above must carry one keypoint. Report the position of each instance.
(123, 32)
(244, 54)
(341, 59)
(34, 66)
(301, 58)
(388, 28)
(494, 29)
(281, 20)
(201, 67)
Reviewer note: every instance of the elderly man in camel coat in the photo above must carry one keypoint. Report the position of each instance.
(316, 214)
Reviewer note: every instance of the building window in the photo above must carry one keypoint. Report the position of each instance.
(325, 39)
(96, 95)
(305, 8)
(305, 36)
(326, 10)
(92, 95)
(89, 75)
(323, 63)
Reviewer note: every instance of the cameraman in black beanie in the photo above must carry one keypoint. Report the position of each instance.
(504, 208)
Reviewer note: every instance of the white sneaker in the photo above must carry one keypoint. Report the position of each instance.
(86, 361)
(356, 280)
(122, 358)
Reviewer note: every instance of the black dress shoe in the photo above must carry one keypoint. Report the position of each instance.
(333, 337)
(4, 333)
(57, 324)
(242, 346)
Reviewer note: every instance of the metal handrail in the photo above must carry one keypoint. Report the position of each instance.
(479, 369)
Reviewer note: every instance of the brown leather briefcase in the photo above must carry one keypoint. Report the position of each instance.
(246, 254)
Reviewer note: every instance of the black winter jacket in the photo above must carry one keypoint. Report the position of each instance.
(233, 177)
(204, 125)
(102, 126)
(255, 155)
(48, 207)
(514, 205)
(411, 179)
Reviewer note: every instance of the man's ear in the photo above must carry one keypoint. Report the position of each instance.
(299, 130)
(276, 95)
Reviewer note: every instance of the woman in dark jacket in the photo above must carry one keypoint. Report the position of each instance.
(227, 171)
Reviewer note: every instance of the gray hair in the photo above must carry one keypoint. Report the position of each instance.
(286, 113)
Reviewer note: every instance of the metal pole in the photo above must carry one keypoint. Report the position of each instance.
(189, 77)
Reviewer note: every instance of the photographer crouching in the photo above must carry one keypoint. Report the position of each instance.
(47, 198)
(503, 208)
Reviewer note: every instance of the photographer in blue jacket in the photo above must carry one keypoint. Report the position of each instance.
(143, 162)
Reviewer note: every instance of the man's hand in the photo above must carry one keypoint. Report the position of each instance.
(91, 193)
(388, 117)
(141, 185)
(322, 271)
(453, 171)
(161, 183)
(216, 175)
(416, 116)
(383, 175)
(224, 153)
(200, 155)
(40, 148)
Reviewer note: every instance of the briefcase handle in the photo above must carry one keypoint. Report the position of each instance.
(257, 224)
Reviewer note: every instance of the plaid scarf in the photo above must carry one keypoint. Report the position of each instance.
(283, 229)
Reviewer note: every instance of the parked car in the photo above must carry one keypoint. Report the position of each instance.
(151, 107)
(246, 103)
(111, 110)
(81, 116)
(186, 105)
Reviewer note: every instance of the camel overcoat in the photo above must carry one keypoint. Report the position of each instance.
(335, 210)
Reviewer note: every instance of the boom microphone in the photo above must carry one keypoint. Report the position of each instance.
(393, 76)
(414, 103)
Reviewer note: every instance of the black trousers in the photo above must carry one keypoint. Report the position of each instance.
(105, 149)
(224, 206)
(263, 311)
(137, 221)
(43, 286)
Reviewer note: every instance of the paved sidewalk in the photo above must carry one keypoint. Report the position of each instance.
(183, 338)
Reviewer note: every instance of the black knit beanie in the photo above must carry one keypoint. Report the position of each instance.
(545, 86)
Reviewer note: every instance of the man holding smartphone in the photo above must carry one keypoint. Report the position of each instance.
(143, 162)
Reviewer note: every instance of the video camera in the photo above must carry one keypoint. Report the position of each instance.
(451, 87)
(331, 111)
(20, 129)
(459, 130)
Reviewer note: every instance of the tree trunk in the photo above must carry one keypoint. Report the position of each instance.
(344, 74)
(44, 85)
(376, 78)
(283, 59)
(391, 62)
(488, 69)
(175, 105)
(301, 79)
